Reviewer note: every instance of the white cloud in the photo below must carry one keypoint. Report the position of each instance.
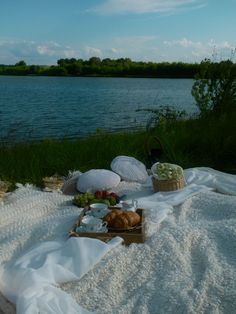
(33, 52)
(145, 6)
(44, 50)
(221, 45)
(11, 51)
(139, 48)
(111, 52)
(114, 50)
(184, 42)
(70, 53)
(200, 50)
(92, 51)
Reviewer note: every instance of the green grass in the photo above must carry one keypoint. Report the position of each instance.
(29, 162)
(209, 142)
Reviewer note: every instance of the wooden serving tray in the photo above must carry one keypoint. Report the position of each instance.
(133, 235)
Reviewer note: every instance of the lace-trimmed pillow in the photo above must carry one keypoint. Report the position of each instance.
(97, 179)
(129, 169)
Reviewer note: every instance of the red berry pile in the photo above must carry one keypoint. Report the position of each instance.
(112, 197)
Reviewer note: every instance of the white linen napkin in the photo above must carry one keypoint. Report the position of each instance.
(29, 282)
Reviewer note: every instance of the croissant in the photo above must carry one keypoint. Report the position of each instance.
(117, 211)
(126, 220)
(120, 222)
(133, 218)
(111, 216)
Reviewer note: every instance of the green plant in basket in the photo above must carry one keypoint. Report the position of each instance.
(166, 171)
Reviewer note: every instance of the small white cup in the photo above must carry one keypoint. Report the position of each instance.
(92, 224)
(98, 210)
(80, 229)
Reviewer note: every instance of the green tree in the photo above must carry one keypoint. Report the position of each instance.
(21, 63)
(214, 88)
(94, 61)
(54, 71)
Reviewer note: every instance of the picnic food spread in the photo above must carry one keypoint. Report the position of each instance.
(105, 216)
(114, 217)
(87, 198)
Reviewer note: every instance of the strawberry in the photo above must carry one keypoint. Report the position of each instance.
(104, 194)
(98, 194)
(113, 194)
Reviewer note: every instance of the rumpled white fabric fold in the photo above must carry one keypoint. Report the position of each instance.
(161, 204)
(197, 180)
(221, 182)
(30, 281)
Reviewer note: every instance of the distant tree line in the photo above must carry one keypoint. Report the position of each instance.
(123, 67)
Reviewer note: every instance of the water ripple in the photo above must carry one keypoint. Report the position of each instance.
(38, 107)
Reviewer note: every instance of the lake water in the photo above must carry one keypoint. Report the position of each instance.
(33, 108)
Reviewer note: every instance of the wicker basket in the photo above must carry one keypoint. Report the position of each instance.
(53, 183)
(167, 185)
(3, 188)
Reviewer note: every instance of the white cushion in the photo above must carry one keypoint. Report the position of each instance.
(97, 179)
(129, 169)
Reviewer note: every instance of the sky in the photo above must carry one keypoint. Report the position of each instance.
(43, 31)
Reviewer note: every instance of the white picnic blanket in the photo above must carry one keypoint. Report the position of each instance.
(30, 218)
(188, 266)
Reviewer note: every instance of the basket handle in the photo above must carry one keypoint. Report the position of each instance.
(157, 151)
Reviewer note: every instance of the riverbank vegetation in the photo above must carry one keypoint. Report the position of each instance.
(195, 142)
(207, 139)
(123, 67)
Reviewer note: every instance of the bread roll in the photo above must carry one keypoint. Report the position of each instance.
(126, 220)
(110, 217)
(121, 222)
(117, 211)
(132, 217)
(121, 219)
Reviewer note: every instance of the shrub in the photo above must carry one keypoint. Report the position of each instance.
(214, 88)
